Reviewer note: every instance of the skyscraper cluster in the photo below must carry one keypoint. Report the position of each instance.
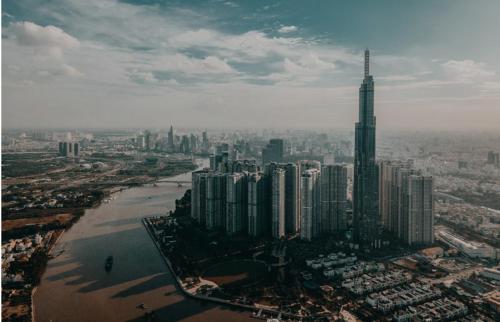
(406, 202)
(282, 199)
(390, 195)
(308, 199)
(69, 149)
(187, 143)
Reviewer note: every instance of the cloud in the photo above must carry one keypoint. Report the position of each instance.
(287, 29)
(467, 70)
(182, 63)
(157, 55)
(55, 39)
(39, 50)
(397, 78)
(71, 71)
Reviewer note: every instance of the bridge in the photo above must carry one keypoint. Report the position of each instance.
(131, 183)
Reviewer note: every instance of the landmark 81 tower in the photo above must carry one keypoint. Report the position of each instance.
(365, 189)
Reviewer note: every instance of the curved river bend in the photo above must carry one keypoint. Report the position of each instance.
(76, 287)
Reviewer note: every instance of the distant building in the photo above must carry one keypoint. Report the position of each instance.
(493, 158)
(140, 142)
(205, 142)
(69, 149)
(185, 145)
(170, 138)
(273, 152)
(462, 164)
(148, 140)
(215, 160)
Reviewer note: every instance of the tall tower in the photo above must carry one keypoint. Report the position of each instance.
(171, 137)
(365, 189)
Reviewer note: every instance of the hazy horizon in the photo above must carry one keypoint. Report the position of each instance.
(212, 64)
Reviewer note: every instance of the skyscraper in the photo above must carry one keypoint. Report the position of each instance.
(171, 138)
(291, 193)
(404, 203)
(236, 203)
(365, 189)
(199, 195)
(421, 214)
(216, 200)
(273, 152)
(310, 203)
(392, 181)
(257, 201)
(292, 213)
(333, 198)
(278, 203)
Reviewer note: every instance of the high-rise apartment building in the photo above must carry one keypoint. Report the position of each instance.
(291, 204)
(216, 200)
(278, 203)
(365, 188)
(236, 203)
(389, 202)
(421, 210)
(199, 195)
(292, 192)
(404, 202)
(310, 204)
(69, 149)
(273, 152)
(333, 198)
(258, 194)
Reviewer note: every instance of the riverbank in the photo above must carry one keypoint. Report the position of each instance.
(256, 311)
(18, 297)
(77, 288)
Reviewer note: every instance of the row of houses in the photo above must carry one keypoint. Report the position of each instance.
(437, 310)
(402, 296)
(372, 282)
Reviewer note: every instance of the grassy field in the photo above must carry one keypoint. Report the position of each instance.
(42, 220)
(235, 273)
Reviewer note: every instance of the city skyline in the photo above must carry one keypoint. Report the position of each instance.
(191, 160)
(74, 64)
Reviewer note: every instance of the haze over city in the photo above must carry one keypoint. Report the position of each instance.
(250, 160)
(113, 64)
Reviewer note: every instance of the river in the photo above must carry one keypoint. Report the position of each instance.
(76, 287)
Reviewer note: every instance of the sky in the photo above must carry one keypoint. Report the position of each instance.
(249, 64)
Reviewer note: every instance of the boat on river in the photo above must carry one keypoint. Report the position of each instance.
(109, 263)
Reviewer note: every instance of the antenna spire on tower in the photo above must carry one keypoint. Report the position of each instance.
(367, 62)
